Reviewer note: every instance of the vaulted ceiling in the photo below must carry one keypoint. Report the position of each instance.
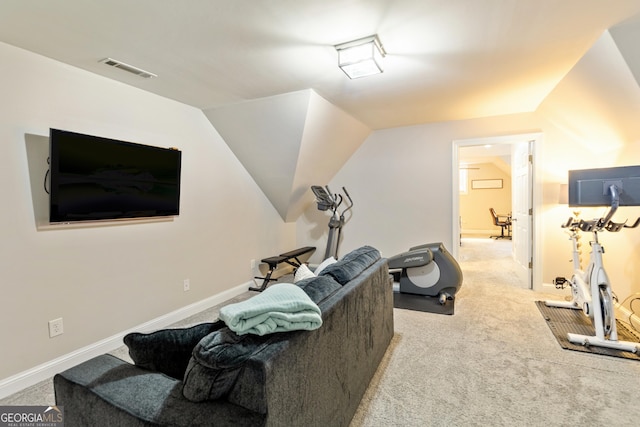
(447, 59)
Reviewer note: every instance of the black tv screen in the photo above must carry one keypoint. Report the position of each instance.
(94, 178)
(591, 187)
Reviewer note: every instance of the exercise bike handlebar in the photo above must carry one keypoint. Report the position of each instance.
(617, 226)
(570, 223)
(635, 224)
(598, 224)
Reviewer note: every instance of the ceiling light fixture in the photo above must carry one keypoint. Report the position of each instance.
(362, 57)
(126, 67)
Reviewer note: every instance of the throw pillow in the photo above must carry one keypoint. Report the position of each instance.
(168, 350)
(302, 273)
(216, 362)
(324, 264)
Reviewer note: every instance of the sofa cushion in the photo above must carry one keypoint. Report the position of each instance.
(216, 362)
(168, 350)
(352, 264)
(319, 288)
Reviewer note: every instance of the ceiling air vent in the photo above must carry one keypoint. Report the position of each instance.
(130, 68)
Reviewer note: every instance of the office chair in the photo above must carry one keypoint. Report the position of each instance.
(502, 221)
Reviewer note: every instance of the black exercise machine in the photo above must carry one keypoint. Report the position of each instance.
(329, 201)
(290, 258)
(427, 270)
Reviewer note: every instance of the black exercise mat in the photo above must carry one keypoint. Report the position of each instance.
(561, 321)
(422, 303)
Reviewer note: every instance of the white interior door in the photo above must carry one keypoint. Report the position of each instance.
(522, 214)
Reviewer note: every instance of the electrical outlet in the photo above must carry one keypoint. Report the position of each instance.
(253, 264)
(55, 327)
(186, 285)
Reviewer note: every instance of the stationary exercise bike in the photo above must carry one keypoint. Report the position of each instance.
(326, 200)
(590, 288)
(427, 270)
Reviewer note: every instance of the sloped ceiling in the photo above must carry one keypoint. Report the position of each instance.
(447, 60)
(597, 105)
(598, 102)
(626, 36)
(265, 74)
(288, 143)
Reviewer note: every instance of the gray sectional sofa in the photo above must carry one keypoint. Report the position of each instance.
(208, 376)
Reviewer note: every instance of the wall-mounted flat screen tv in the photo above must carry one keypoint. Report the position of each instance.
(95, 178)
(591, 187)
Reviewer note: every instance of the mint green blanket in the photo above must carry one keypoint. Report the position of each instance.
(279, 308)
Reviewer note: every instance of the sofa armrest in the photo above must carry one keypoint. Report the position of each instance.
(107, 389)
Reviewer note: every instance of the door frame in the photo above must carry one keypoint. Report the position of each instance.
(536, 139)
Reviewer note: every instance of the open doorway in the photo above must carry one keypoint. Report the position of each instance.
(485, 185)
(498, 172)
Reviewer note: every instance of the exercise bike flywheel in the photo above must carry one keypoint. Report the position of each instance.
(606, 307)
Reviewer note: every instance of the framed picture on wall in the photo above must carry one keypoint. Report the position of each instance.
(482, 184)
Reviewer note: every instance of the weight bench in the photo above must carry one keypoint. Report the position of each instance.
(290, 258)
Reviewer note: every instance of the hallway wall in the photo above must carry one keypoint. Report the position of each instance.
(475, 203)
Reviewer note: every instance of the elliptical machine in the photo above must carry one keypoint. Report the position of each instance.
(427, 270)
(326, 200)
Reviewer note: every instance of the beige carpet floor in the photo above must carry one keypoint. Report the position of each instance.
(493, 363)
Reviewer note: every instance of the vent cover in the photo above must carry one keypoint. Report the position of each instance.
(129, 68)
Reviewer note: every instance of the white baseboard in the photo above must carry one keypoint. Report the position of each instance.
(550, 288)
(22, 380)
(479, 232)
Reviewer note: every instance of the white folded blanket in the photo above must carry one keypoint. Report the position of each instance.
(279, 308)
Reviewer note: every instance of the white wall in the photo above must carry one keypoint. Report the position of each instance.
(475, 203)
(104, 280)
(289, 142)
(400, 180)
(591, 121)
